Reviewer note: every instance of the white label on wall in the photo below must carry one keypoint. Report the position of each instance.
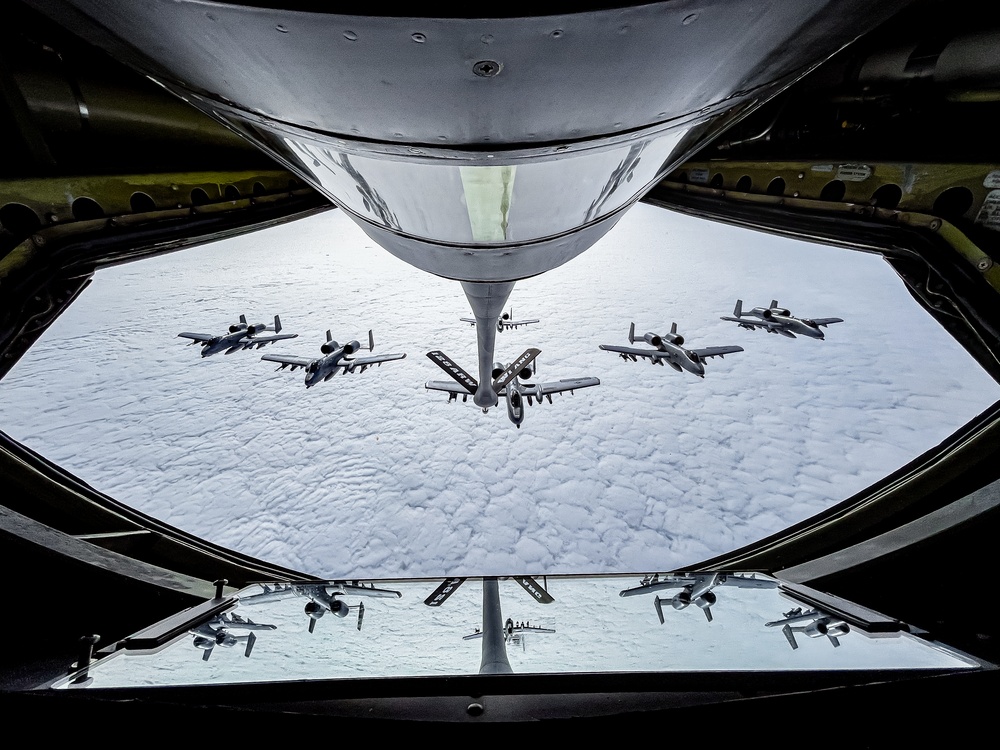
(854, 172)
(698, 175)
(989, 214)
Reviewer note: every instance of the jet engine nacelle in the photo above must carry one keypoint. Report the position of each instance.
(201, 641)
(497, 370)
(526, 373)
(674, 338)
(780, 311)
(329, 347)
(706, 600)
(235, 327)
(351, 346)
(824, 629)
(315, 610)
(681, 600)
(652, 339)
(256, 328)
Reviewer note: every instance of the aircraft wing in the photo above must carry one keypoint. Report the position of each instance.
(570, 384)
(630, 351)
(717, 351)
(447, 387)
(196, 336)
(516, 323)
(365, 362)
(285, 361)
(817, 321)
(757, 323)
(260, 341)
(359, 589)
(747, 582)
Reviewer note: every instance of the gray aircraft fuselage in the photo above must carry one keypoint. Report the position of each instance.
(231, 342)
(800, 326)
(680, 358)
(326, 367)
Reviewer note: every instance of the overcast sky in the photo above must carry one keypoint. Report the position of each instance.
(373, 476)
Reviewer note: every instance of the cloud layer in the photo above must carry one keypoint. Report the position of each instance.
(373, 476)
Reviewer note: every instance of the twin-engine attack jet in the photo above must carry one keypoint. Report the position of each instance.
(776, 319)
(505, 383)
(695, 588)
(814, 623)
(668, 348)
(513, 633)
(336, 358)
(216, 632)
(505, 321)
(326, 597)
(240, 336)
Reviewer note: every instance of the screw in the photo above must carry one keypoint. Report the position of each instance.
(984, 264)
(486, 68)
(418, 37)
(219, 586)
(475, 709)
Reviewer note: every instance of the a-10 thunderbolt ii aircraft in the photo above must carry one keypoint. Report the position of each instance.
(505, 383)
(695, 588)
(669, 348)
(337, 357)
(240, 336)
(814, 623)
(327, 596)
(776, 319)
(505, 322)
(218, 632)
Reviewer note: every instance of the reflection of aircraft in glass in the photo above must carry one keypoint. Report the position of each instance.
(668, 348)
(217, 632)
(504, 383)
(336, 357)
(513, 633)
(695, 588)
(776, 319)
(495, 633)
(505, 322)
(240, 336)
(814, 623)
(327, 597)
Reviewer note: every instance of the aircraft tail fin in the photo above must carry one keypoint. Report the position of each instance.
(789, 636)
(361, 614)
(243, 319)
(329, 335)
(658, 604)
(277, 324)
(312, 624)
(673, 328)
(206, 654)
(738, 312)
(371, 340)
(631, 333)
(774, 303)
(251, 639)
